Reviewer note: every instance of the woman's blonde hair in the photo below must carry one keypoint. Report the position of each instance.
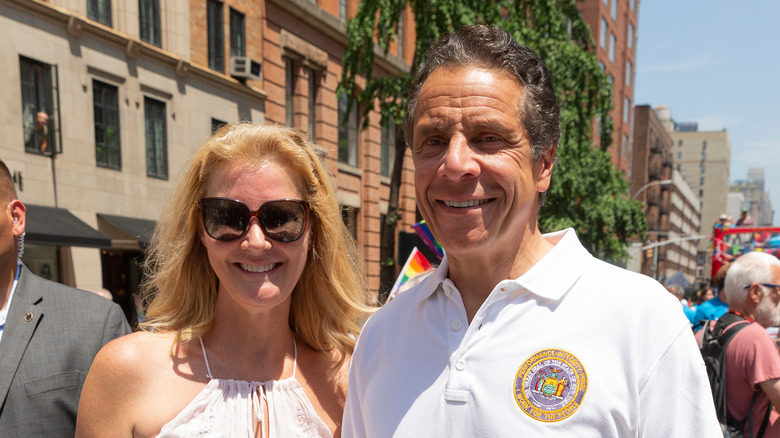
(180, 288)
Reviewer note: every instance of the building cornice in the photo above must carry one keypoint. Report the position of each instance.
(77, 25)
(336, 29)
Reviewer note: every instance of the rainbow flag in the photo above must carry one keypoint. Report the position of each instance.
(422, 230)
(415, 264)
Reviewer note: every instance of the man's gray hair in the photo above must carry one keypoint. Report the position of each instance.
(753, 267)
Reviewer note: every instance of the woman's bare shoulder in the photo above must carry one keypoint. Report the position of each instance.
(137, 383)
(134, 353)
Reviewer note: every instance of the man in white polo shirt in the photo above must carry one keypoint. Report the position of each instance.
(516, 333)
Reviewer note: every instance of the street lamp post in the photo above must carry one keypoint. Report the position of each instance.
(650, 184)
(655, 251)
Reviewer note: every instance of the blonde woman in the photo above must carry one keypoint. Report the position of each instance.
(254, 289)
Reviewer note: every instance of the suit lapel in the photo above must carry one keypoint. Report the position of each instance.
(23, 318)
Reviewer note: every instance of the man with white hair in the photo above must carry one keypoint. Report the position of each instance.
(752, 360)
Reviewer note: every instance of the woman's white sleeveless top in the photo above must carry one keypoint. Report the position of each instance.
(228, 408)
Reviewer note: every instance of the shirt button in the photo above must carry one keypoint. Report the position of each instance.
(456, 325)
(447, 291)
(460, 365)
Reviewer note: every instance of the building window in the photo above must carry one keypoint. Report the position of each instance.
(603, 34)
(216, 36)
(632, 4)
(40, 111)
(156, 139)
(703, 156)
(606, 2)
(105, 103)
(100, 11)
(611, 78)
(312, 103)
(704, 145)
(388, 147)
(348, 133)
(679, 155)
(625, 146)
(343, 10)
(627, 109)
(703, 168)
(614, 10)
(679, 143)
(701, 181)
(612, 41)
(602, 66)
(349, 215)
(629, 72)
(630, 39)
(289, 92)
(216, 124)
(237, 33)
(149, 21)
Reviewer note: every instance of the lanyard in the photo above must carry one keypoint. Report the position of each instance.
(739, 314)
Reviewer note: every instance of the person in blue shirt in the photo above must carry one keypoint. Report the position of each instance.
(679, 293)
(710, 310)
(716, 307)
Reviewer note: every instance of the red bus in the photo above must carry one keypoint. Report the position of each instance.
(729, 242)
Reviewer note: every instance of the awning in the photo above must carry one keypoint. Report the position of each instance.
(59, 227)
(122, 229)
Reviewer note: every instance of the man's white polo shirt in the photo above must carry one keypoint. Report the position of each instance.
(575, 347)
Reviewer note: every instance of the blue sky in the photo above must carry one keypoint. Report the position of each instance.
(717, 63)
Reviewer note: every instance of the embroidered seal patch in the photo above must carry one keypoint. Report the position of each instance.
(550, 385)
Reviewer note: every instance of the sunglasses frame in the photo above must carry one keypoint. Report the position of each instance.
(769, 285)
(256, 213)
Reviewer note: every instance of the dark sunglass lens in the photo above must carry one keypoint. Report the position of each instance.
(283, 220)
(224, 219)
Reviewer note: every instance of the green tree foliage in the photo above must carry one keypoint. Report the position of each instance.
(588, 193)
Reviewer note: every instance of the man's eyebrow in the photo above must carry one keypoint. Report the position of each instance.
(490, 125)
(431, 127)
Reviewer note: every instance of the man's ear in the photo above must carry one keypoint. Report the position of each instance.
(19, 213)
(544, 169)
(756, 293)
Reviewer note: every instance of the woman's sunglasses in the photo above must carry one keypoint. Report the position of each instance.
(282, 220)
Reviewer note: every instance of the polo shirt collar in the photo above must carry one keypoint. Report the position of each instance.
(436, 278)
(559, 269)
(550, 278)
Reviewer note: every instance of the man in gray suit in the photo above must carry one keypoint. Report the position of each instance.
(49, 335)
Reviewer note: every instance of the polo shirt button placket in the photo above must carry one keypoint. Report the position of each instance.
(456, 325)
(460, 365)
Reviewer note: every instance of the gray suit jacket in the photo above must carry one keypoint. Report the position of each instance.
(51, 336)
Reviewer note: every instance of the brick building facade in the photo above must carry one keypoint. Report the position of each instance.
(614, 25)
(673, 210)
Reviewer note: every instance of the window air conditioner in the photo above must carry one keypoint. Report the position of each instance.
(243, 67)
